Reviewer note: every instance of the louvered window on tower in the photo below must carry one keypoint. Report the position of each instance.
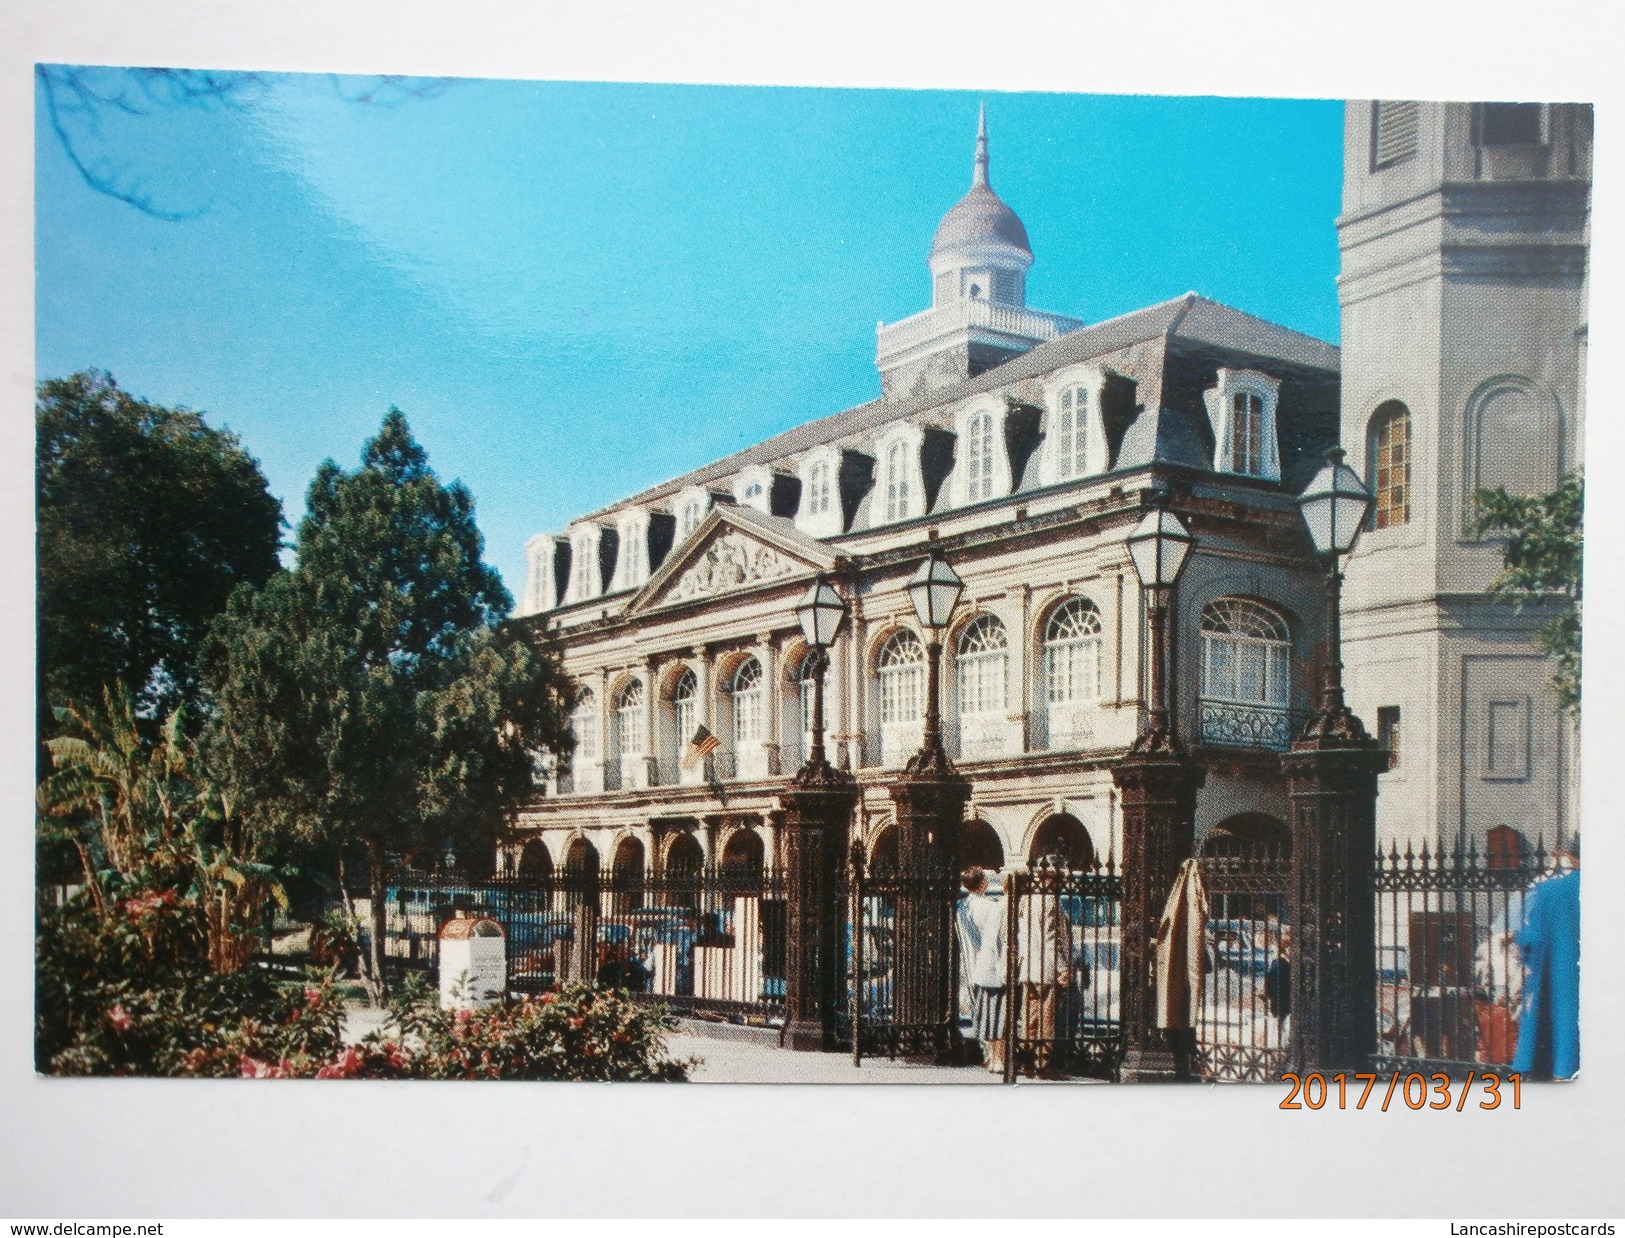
(1396, 123)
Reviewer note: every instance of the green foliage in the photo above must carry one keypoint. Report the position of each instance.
(370, 697)
(1545, 541)
(131, 810)
(580, 1032)
(147, 519)
(129, 992)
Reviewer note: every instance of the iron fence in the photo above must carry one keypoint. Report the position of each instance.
(1450, 976)
(1244, 1023)
(707, 942)
(1062, 947)
(897, 963)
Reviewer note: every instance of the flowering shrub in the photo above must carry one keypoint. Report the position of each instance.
(579, 1032)
(129, 991)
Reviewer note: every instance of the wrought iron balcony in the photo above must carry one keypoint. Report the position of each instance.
(1231, 725)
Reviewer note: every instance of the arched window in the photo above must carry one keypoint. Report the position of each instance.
(1249, 834)
(984, 655)
(883, 851)
(746, 690)
(584, 725)
(818, 489)
(685, 697)
(743, 859)
(1072, 653)
(901, 669)
(580, 873)
(897, 482)
(1391, 465)
(979, 458)
(1072, 434)
(629, 729)
(1246, 675)
(1247, 434)
(901, 666)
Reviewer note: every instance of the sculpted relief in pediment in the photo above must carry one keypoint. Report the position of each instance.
(729, 562)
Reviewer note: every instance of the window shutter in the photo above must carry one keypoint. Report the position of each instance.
(1397, 123)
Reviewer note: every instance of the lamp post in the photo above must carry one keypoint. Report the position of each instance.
(817, 810)
(1331, 774)
(1157, 784)
(929, 802)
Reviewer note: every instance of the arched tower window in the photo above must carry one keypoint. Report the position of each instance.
(979, 458)
(897, 482)
(685, 699)
(1072, 434)
(901, 670)
(982, 666)
(1391, 465)
(1072, 653)
(1246, 675)
(746, 690)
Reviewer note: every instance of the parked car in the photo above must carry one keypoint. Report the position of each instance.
(1247, 947)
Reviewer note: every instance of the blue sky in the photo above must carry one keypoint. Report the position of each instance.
(577, 290)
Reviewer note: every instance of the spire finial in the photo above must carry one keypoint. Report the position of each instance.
(980, 176)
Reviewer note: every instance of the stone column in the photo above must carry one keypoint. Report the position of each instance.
(1158, 806)
(651, 746)
(767, 651)
(1331, 774)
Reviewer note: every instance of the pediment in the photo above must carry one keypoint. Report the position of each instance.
(733, 550)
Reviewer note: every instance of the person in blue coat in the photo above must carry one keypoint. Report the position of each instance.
(1549, 1029)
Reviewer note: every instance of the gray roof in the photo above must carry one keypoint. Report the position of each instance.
(1190, 317)
(980, 216)
(1162, 436)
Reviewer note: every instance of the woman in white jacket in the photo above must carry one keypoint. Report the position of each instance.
(982, 955)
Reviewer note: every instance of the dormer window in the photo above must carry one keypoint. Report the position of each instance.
(1072, 434)
(1242, 409)
(979, 458)
(1074, 431)
(690, 508)
(753, 488)
(586, 579)
(897, 479)
(818, 489)
(1247, 434)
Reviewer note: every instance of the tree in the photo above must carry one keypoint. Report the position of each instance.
(147, 519)
(371, 699)
(1543, 556)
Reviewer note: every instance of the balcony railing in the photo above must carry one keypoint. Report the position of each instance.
(1231, 725)
(1009, 319)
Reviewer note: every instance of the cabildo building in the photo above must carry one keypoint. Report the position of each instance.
(1023, 446)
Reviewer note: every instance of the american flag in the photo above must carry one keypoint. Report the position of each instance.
(701, 746)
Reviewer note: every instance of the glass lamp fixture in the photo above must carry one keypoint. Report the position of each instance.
(934, 590)
(1159, 547)
(821, 613)
(1335, 505)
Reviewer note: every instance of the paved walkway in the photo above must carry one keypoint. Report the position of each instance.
(746, 1061)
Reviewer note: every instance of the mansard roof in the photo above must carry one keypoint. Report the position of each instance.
(1190, 323)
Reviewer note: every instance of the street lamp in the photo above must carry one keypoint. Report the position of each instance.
(934, 591)
(1159, 547)
(1334, 505)
(821, 613)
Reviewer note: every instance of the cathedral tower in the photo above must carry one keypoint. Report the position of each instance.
(1464, 240)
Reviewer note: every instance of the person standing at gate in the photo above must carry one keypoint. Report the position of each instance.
(981, 952)
(1549, 1029)
(1278, 987)
(1044, 960)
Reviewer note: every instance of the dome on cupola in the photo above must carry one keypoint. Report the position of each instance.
(979, 222)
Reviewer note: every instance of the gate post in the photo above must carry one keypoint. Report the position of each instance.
(1331, 774)
(1157, 784)
(929, 802)
(817, 812)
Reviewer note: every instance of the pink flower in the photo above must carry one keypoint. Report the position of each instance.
(120, 1018)
(312, 996)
